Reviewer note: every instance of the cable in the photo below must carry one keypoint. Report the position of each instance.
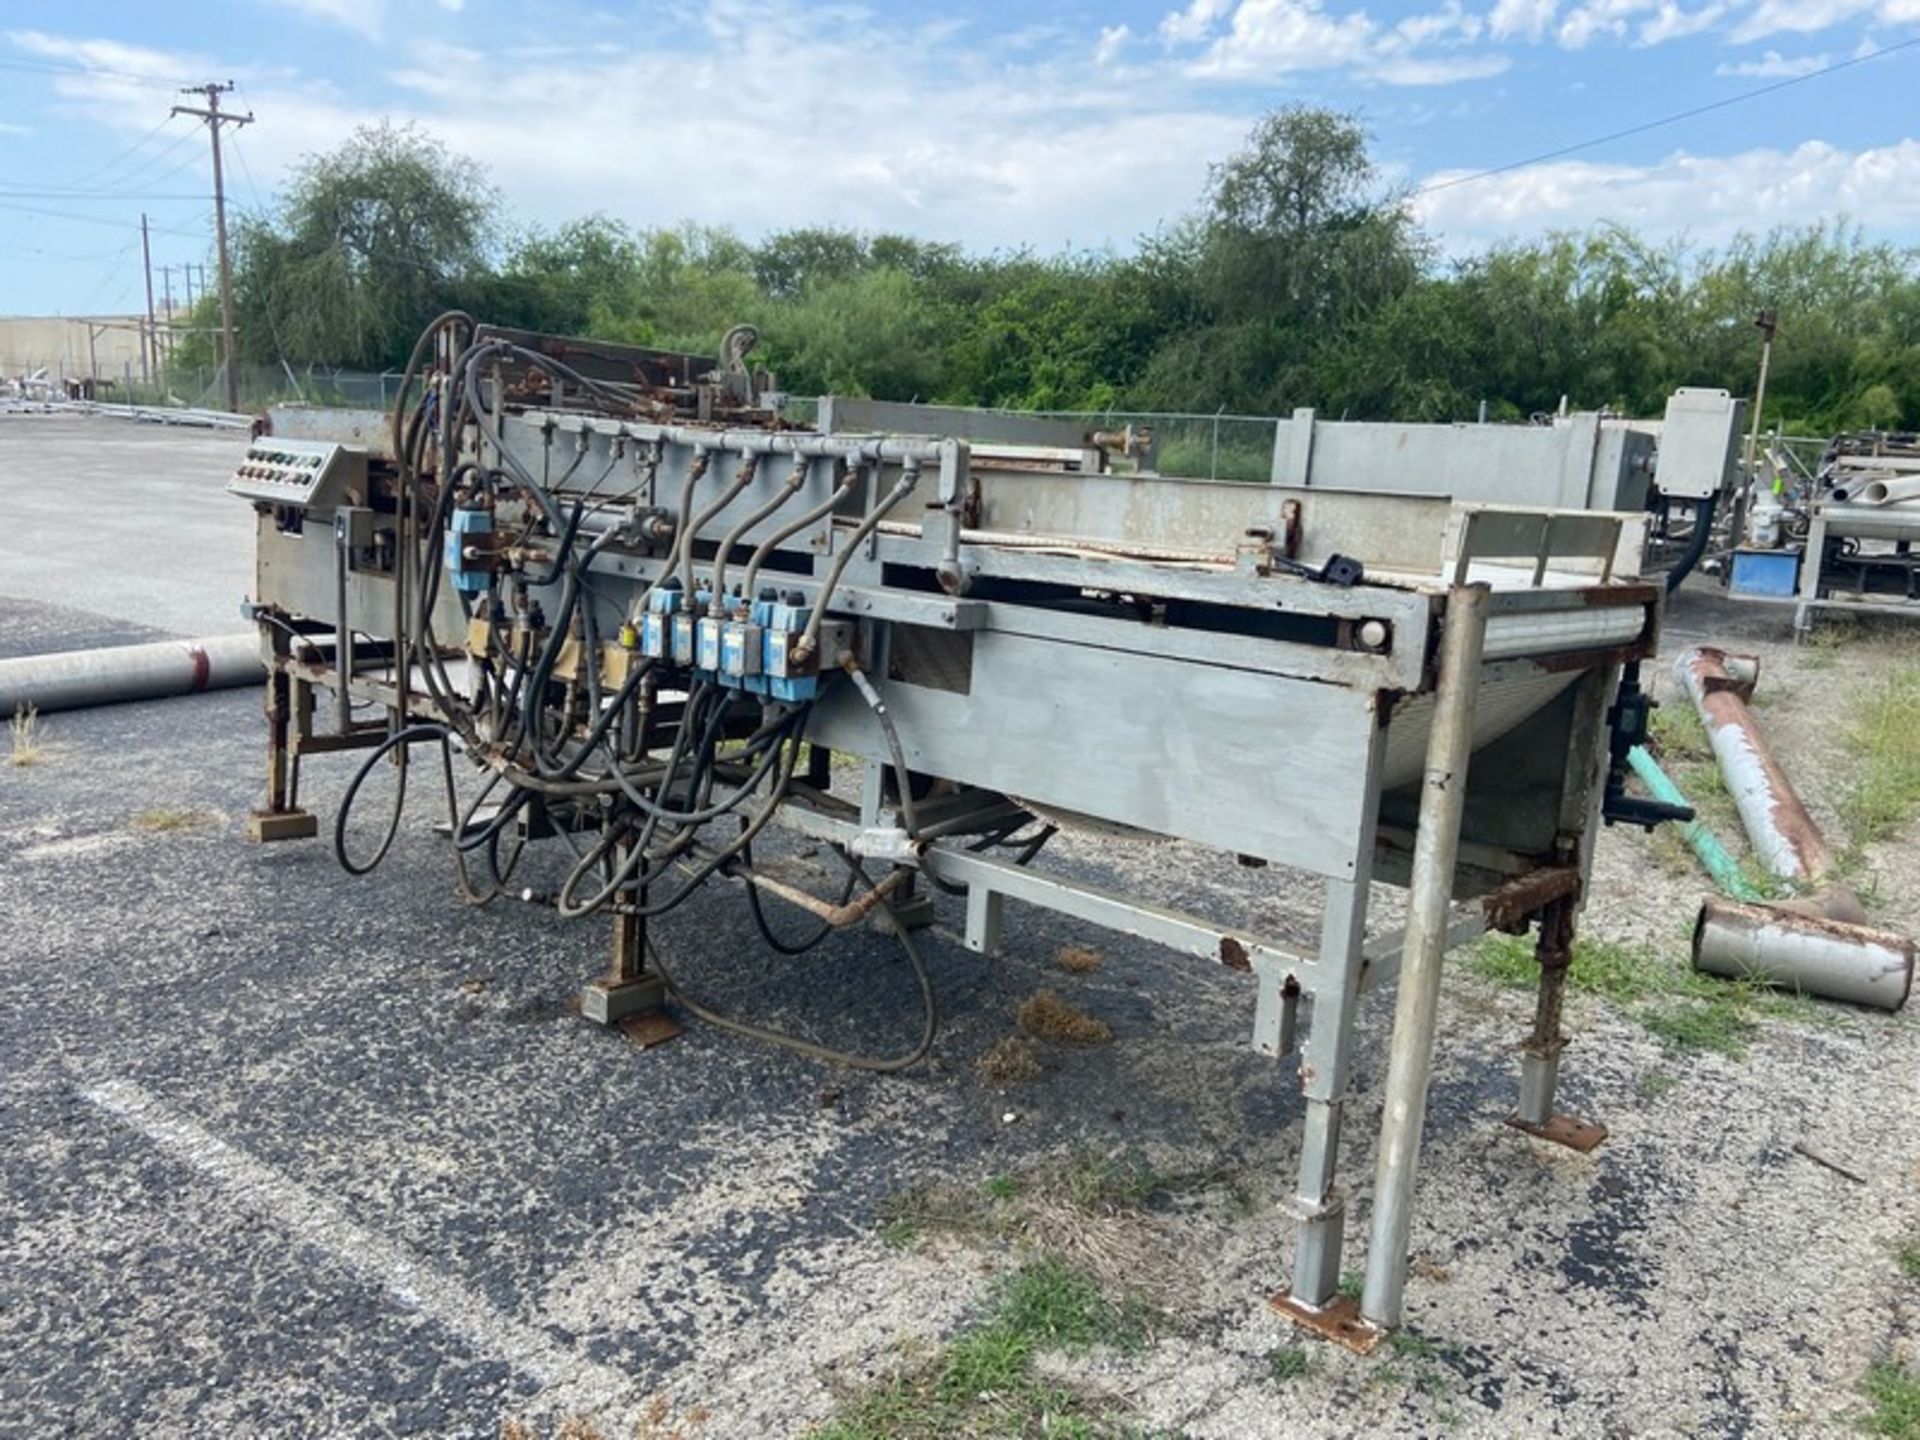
(930, 1009)
(401, 738)
(1674, 119)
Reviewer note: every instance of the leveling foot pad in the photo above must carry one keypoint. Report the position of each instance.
(650, 1028)
(264, 826)
(1338, 1320)
(608, 1002)
(1567, 1130)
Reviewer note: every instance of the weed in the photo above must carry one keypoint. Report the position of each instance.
(24, 729)
(1683, 1010)
(1046, 1015)
(1653, 1084)
(1885, 789)
(1288, 1362)
(1001, 1187)
(983, 1382)
(1907, 1257)
(1678, 733)
(1010, 1062)
(1894, 1393)
(1715, 1025)
(1351, 1284)
(163, 820)
(1078, 959)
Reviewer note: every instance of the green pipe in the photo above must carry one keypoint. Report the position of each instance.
(1705, 845)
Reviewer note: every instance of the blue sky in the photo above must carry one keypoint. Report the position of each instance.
(994, 124)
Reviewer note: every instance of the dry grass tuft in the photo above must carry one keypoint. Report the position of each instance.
(1010, 1062)
(1046, 1015)
(164, 820)
(24, 728)
(1078, 959)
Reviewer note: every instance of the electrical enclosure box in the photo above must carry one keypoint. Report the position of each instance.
(1699, 444)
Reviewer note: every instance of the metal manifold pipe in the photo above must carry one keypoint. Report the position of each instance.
(1820, 943)
(75, 679)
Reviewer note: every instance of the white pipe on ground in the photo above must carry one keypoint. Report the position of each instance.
(78, 678)
(1818, 944)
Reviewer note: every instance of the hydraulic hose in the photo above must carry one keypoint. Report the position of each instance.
(1696, 544)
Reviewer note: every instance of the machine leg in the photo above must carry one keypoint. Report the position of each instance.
(1314, 1301)
(629, 994)
(282, 819)
(1436, 850)
(1540, 1056)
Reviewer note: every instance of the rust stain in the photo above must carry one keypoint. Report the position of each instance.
(1233, 954)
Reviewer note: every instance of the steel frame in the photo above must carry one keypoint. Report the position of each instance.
(1372, 766)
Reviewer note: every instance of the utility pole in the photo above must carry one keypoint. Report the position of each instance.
(215, 120)
(150, 337)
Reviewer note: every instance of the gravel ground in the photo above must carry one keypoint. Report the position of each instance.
(290, 1153)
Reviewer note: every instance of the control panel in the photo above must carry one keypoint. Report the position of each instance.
(301, 474)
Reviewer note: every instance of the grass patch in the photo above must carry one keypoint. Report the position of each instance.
(1884, 790)
(1893, 1392)
(1046, 1015)
(1907, 1257)
(164, 820)
(1287, 1363)
(983, 1382)
(1685, 1011)
(24, 731)
(1652, 1084)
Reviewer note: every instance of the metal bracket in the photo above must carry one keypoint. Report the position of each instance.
(1576, 1134)
(1339, 1320)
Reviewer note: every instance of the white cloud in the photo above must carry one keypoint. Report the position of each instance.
(1803, 17)
(1521, 17)
(1183, 27)
(1774, 66)
(1113, 40)
(1269, 38)
(1044, 160)
(365, 17)
(1706, 196)
(1672, 22)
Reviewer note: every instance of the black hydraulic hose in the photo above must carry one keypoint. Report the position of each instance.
(401, 738)
(1697, 544)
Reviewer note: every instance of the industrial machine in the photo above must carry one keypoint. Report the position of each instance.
(1676, 468)
(637, 616)
(1840, 537)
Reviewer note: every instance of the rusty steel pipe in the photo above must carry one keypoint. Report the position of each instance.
(838, 916)
(1783, 833)
(1799, 950)
(1819, 943)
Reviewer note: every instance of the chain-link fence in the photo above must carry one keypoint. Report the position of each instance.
(259, 386)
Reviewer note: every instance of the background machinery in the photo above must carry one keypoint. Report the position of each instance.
(626, 615)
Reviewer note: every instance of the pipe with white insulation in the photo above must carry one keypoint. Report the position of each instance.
(75, 679)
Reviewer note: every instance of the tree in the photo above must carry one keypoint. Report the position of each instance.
(1298, 240)
(371, 242)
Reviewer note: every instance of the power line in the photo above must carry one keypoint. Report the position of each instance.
(55, 67)
(93, 219)
(1673, 119)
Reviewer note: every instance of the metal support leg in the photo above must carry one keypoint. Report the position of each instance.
(1540, 1056)
(1443, 795)
(629, 995)
(1313, 1300)
(282, 819)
